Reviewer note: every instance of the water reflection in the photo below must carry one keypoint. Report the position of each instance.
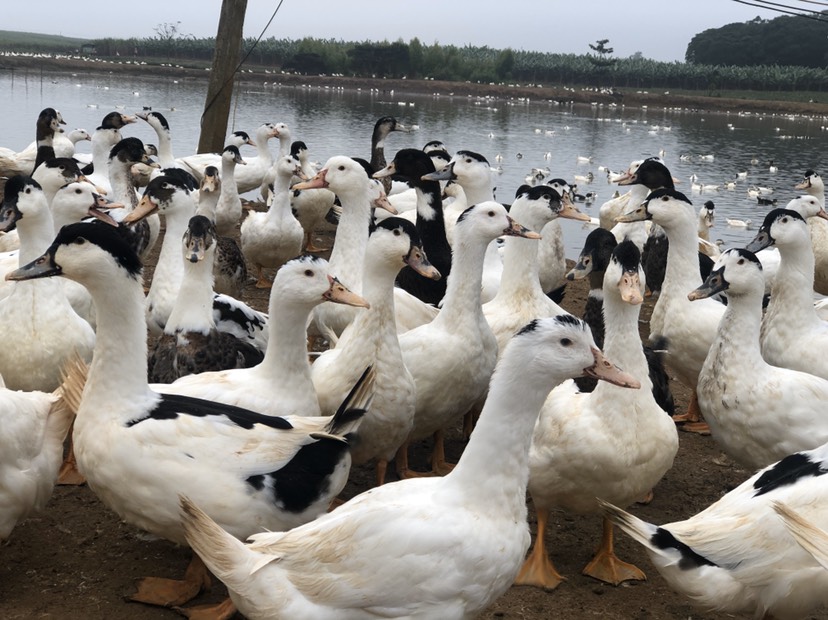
(333, 121)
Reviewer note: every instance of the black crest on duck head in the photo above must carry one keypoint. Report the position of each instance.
(107, 237)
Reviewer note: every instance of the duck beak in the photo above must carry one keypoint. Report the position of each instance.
(630, 287)
(386, 172)
(581, 269)
(623, 178)
(145, 208)
(639, 215)
(570, 211)
(196, 249)
(416, 259)
(97, 209)
(250, 142)
(823, 214)
(316, 182)
(605, 370)
(715, 283)
(142, 115)
(9, 214)
(761, 241)
(339, 294)
(803, 184)
(446, 174)
(98, 190)
(127, 119)
(514, 229)
(382, 202)
(209, 184)
(42, 267)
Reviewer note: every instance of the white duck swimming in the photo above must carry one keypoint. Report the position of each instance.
(31, 451)
(608, 443)
(191, 343)
(424, 548)
(689, 328)
(270, 239)
(736, 556)
(453, 356)
(756, 411)
(372, 340)
(245, 468)
(40, 329)
(792, 332)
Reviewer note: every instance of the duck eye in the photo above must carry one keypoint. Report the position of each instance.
(468, 161)
(342, 167)
(28, 190)
(784, 220)
(491, 213)
(741, 261)
(80, 241)
(309, 273)
(78, 190)
(664, 198)
(566, 342)
(397, 232)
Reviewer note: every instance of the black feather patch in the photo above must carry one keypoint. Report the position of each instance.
(297, 147)
(747, 254)
(391, 223)
(161, 119)
(224, 311)
(663, 539)
(676, 195)
(529, 327)
(787, 472)
(172, 405)
(776, 214)
(129, 150)
(627, 255)
(104, 236)
(306, 477)
(568, 319)
(473, 155)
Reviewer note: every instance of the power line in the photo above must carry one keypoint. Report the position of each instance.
(792, 12)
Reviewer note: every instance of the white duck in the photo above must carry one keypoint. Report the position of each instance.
(197, 164)
(453, 356)
(310, 206)
(283, 133)
(608, 443)
(228, 211)
(167, 196)
(756, 411)
(706, 220)
(270, 239)
(47, 125)
(244, 467)
(792, 334)
(105, 137)
(329, 568)
(813, 185)
(191, 343)
(689, 328)
(40, 329)
(281, 384)
(31, 451)
(520, 297)
(736, 556)
(372, 340)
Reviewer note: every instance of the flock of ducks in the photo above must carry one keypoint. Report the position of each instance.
(219, 433)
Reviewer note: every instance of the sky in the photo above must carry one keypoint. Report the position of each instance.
(659, 29)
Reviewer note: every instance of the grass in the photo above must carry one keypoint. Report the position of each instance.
(47, 42)
(801, 96)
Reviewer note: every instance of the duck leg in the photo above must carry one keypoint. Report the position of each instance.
(309, 246)
(538, 569)
(692, 421)
(439, 465)
(171, 592)
(401, 462)
(382, 468)
(68, 474)
(606, 566)
(261, 280)
(223, 611)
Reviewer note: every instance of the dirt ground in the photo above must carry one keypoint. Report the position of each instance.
(77, 561)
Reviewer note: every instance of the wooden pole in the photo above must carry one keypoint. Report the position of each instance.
(220, 89)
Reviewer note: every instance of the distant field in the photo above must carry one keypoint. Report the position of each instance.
(47, 42)
(802, 96)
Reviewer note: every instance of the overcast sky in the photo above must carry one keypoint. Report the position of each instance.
(659, 29)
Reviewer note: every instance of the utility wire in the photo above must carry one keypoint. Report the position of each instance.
(241, 62)
(770, 8)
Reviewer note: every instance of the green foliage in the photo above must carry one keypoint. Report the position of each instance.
(785, 40)
(34, 42)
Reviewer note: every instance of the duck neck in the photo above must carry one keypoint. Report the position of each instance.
(622, 344)
(478, 192)
(170, 265)
(286, 357)
(462, 299)
(520, 268)
(280, 207)
(737, 338)
(165, 154)
(792, 291)
(118, 373)
(123, 190)
(102, 141)
(193, 309)
(348, 253)
(36, 233)
(682, 272)
(207, 203)
(486, 481)
(265, 156)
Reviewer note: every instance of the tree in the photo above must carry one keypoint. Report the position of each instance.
(169, 33)
(601, 58)
(504, 64)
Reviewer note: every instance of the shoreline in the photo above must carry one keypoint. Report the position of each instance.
(629, 98)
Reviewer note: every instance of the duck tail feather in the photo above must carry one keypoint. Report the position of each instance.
(349, 415)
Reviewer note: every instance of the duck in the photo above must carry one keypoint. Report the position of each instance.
(247, 469)
(281, 384)
(772, 167)
(452, 357)
(228, 209)
(105, 137)
(65, 143)
(35, 425)
(792, 332)
(592, 264)
(229, 266)
(707, 218)
(809, 536)
(41, 330)
(171, 197)
(270, 239)
(736, 556)
(412, 165)
(198, 163)
(327, 568)
(283, 133)
(576, 446)
(520, 296)
(384, 126)
(689, 329)
(309, 206)
(813, 185)
(738, 223)
(191, 343)
(372, 339)
(23, 163)
(757, 412)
